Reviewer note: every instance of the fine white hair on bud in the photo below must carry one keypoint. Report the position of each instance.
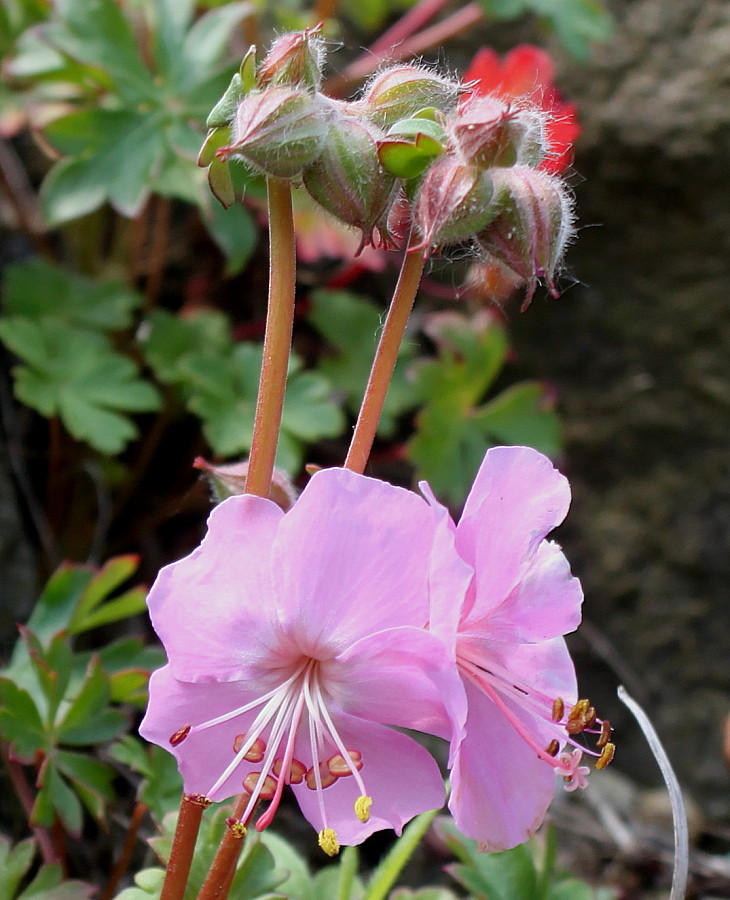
(403, 90)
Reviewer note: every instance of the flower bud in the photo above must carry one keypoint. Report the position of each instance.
(230, 480)
(491, 132)
(402, 91)
(295, 59)
(279, 130)
(453, 202)
(348, 180)
(533, 227)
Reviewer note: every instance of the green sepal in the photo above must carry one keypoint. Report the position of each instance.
(221, 183)
(214, 140)
(247, 70)
(225, 108)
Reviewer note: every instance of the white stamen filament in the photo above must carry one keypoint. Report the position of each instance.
(337, 740)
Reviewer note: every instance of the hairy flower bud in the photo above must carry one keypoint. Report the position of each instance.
(492, 132)
(348, 180)
(279, 130)
(294, 59)
(453, 202)
(533, 227)
(230, 480)
(402, 91)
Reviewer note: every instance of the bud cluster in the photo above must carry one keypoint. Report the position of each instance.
(467, 166)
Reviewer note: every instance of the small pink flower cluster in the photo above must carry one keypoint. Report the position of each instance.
(417, 153)
(299, 642)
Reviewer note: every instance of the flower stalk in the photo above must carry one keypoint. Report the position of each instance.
(183, 847)
(277, 338)
(384, 362)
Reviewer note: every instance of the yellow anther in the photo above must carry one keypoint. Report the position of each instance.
(237, 829)
(558, 709)
(362, 808)
(606, 756)
(605, 733)
(552, 748)
(328, 841)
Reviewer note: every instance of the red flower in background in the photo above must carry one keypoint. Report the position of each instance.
(528, 71)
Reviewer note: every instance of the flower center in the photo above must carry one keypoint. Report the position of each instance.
(290, 717)
(567, 720)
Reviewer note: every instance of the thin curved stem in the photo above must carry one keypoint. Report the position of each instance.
(183, 847)
(277, 339)
(679, 812)
(122, 864)
(383, 366)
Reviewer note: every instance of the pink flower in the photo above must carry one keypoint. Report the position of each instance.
(519, 599)
(528, 72)
(293, 641)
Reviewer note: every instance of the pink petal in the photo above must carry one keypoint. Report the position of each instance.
(545, 604)
(402, 677)
(202, 757)
(401, 777)
(500, 787)
(517, 498)
(449, 576)
(351, 558)
(213, 610)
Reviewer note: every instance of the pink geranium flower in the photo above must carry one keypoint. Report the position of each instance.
(293, 640)
(528, 72)
(519, 599)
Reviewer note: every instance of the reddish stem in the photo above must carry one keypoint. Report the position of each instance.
(158, 251)
(435, 36)
(218, 881)
(122, 864)
(409, 23)
(277, 338)
(26, 797)
(183, 847)
(384, 362)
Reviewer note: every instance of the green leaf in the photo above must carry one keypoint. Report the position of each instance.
(170, 340)
(69, 192)
(499, 876)
(123, 151)
(111, 575)
(57, 602)
(234, 232)
(38, 288)
(351, 325)
(20, 721)
(52, 669)
(14, 863)
(55, 798)
(50, 884)
(96, 32)
(452, 430)
(91, 779)
(77, 375)
(578, 23)
(523, 414)
(309, 412)
(129, 686)
(390, 867)
(128, 604)
(88, 720)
